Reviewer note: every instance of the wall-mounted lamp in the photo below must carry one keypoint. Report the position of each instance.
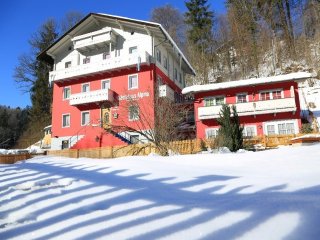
(97, 139)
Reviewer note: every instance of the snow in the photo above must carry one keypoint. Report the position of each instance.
(272, 194)
(247, 82)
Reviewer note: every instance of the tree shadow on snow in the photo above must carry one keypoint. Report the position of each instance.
(163, 201)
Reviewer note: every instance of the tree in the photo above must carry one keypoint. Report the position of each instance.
(70, 20)
(172, 20)
(199, 20)
(160, 131)
(230, 131)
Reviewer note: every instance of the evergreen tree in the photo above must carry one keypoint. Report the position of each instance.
(230, 131)
(200, 21)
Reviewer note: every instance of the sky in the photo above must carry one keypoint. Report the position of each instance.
(19, 19)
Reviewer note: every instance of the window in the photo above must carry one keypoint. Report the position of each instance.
(249, 131)
(281, 127)
(286, 128)
(85, 118)
(242, 98)
(159, 56)
(86, 60)
(264, 96)
(175, 74)
(67, 64)
(133, 113)
(65, 120)
(133, 50)
(165, 63)
(212, 132)
(180, 78)
(276, 94)
(271, 130)
(85, 87)
(105, 84)
(219, 100)
(134, 139)
(273, 94)
(133, 82)
(66, 92)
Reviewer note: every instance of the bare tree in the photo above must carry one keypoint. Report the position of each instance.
(159, 130)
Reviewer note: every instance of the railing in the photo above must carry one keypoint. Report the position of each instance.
(94, 38)
(91, 97)
(252, 108)
(101, 66)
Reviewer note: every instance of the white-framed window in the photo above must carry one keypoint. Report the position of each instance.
(282, 127)
(105, 84)
(249, 131)
(211, 132)
(66, 120)
(106, 55)
(214, 101)
(133, 50)
(85, 118)
(158, 53)
(86, 60)
(67, 64)
(180, 77)
(66, 92)
(271, 94)
(165, 63)
(242, 98)
(133, 81)
(133, 113)
(85, 87)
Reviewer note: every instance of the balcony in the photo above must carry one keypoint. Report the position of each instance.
(166, 91)
(91, 97)
(252, 108)
(94, 40)
(99, 67)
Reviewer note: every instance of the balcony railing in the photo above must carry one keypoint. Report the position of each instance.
(94, 39)
(98, 67)
(91, 97)
(252, 108)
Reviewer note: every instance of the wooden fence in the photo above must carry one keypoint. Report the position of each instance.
(181, 147)
(13, 158)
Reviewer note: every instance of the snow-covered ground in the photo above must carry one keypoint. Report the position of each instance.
(273, 194)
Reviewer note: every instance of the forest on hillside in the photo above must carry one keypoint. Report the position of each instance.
(252, 38)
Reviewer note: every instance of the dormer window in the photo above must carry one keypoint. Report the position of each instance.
(67, 64)
(86, 60)
(133, 50)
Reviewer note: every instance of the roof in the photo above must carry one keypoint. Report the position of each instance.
(247, 82)
(118, 19)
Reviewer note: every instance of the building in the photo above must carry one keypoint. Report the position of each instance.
(266, 106)
(102, 64)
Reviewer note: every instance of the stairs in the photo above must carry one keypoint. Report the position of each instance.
(117, 135)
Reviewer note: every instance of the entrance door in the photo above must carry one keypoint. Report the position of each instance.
(106, 118)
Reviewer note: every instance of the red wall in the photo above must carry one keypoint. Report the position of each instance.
(253, 95)
(119, 84)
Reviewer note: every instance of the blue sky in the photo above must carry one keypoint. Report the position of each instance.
(20, 18)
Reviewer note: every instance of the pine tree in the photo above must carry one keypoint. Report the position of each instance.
(230, 131)
(200, 21)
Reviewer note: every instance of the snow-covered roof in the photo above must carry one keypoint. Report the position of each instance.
(247, 82)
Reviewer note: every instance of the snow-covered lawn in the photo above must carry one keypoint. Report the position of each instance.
(272, 194)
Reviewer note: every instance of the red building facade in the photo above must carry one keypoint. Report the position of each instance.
(266, 106)
(101, 66)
